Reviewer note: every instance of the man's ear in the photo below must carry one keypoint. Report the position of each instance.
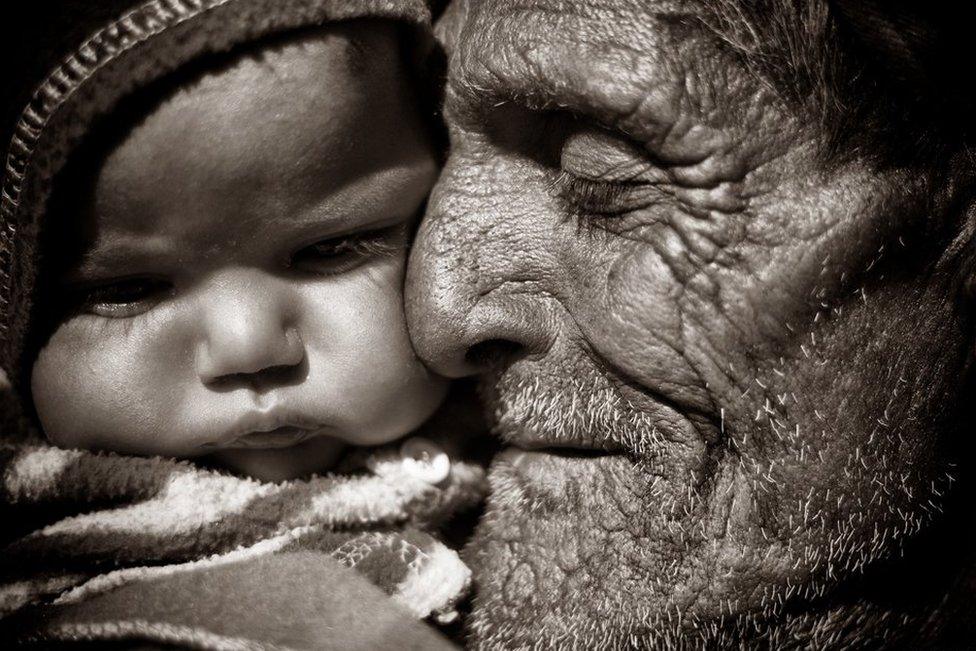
(953, 208)
(965, 246)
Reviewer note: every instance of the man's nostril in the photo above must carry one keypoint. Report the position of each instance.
(493, 351)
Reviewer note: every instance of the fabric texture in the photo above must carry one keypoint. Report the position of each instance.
(293, 600)
(86, 529)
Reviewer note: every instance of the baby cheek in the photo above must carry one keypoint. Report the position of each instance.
(361, 342)
(70, 388)
(104, 384)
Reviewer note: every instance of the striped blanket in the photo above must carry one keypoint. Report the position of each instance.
(100, 546)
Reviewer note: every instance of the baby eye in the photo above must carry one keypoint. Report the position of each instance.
(124, 298)
(341, 254)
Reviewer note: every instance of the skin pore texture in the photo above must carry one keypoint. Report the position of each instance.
(728, 372)
(239, 291)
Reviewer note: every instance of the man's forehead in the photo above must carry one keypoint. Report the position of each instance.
(613, 58)
(560, 13)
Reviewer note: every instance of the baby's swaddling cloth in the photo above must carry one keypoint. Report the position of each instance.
(82, 524)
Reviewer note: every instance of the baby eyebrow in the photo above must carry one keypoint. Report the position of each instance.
(118, 259)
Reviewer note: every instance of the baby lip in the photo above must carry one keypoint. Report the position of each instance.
(281, 437)
(267, 430)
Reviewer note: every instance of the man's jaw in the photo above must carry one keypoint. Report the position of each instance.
(598, 529)
(573, 513)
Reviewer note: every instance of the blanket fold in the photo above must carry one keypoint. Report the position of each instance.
(85, 525)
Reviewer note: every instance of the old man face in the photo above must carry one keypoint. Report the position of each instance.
(704, 323)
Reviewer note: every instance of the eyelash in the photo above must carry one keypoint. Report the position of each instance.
(587, 193)
(348, 252)
(593, 202)
(110, 299)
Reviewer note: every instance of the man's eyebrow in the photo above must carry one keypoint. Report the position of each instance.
(482, 80)
(628, 84)
(474, 98)
(474, 102)
(489, 77)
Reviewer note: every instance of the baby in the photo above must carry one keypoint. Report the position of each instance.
(235, 285)
(220, 280)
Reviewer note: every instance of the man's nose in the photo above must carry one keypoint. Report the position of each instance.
(466, 312)
(249, 328)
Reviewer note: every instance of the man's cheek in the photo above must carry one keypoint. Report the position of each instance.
(802, 252)
(846, 456)
(671, 339)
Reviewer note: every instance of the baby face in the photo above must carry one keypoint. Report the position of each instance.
(239, 289)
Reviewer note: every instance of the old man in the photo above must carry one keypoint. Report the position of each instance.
(712, 261)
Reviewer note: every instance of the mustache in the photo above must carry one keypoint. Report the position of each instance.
(574, 411)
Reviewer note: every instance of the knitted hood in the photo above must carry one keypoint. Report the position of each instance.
(77, 60)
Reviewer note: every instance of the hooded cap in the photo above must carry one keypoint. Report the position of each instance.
(77, 59)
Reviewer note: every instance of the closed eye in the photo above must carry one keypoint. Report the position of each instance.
(605, 198)
(604, 175)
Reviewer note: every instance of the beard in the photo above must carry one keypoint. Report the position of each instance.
(589, 512)
(610, 523)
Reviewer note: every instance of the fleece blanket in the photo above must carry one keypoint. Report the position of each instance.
(99, 546)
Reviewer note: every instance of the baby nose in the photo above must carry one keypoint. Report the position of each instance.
(249, 328)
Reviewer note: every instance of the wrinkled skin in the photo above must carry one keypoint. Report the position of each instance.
(644, 254)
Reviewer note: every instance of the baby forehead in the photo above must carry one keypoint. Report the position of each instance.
(347, 50)
(298, 80)
(293, 114)
(301, 127)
